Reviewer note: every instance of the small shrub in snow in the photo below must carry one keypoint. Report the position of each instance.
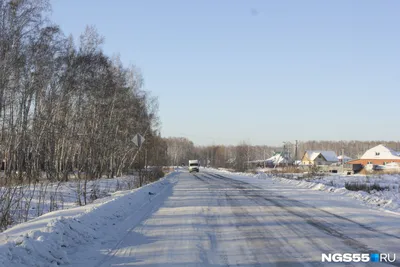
(154, 175)
(42, 192)
(291, 169)
(253, 171)
(118, 186)
(315, 171)
(94, 191)
(131, 183)
(365, 187)
(55, 198)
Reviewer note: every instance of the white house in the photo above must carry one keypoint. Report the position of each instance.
(381, 152)
(378, 155)
(319, 157)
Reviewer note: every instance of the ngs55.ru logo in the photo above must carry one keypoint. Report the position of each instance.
(359, 257)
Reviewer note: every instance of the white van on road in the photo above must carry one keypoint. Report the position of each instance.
(194, 166)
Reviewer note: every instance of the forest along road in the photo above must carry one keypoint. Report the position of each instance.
(208, 219)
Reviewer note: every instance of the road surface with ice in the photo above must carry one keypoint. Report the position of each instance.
(208, 219)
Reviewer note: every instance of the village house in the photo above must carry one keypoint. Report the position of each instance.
(317, 157)
(277, 159)
(379, 155)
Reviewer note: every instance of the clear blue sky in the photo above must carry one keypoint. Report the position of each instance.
(259, 71)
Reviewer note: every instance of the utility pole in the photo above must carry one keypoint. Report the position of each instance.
(286, 154)
(248, 156)
(145, 159)
(342, 160)
(264, 157)
(224, 165)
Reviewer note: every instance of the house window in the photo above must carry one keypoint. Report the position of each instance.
(369, 162)
(384, 163)
(377, 153)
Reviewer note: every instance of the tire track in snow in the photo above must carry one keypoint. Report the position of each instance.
(216, 254)
(298, 203)
(200, 178)
(287, 204)
(112, 252)
(324, 211)
(269, 238)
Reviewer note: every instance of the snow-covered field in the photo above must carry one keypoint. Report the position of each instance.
(388, 199)
(30, 201)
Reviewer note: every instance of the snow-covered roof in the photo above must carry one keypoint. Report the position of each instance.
(381, 152)
(277, 159)
(345, 157)
(328, 155)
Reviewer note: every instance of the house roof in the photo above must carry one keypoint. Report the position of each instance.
(381, 152)
(276, 159)
(328, 155)
(345, 157)
(355, 161)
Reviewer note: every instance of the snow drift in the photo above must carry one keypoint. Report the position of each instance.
(52, 235)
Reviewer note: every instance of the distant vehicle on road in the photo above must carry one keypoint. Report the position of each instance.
(194, 166)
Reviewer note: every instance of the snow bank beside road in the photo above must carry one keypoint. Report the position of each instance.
(52, 235)
(337, 201)
(388, 200)
(30, 201)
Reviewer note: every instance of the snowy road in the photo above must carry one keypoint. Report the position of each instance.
(207, 219)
